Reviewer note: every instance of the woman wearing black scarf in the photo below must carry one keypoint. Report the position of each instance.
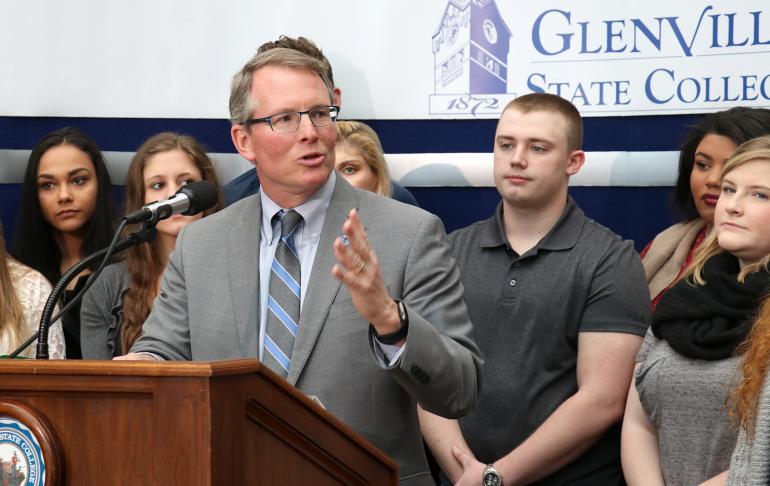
(677, 428)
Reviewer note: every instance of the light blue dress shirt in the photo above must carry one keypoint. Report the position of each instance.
(306, 238)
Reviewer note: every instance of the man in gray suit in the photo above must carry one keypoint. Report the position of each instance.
(380, 322)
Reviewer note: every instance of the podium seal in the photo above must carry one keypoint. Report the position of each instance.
(30, 452)
(21, 458)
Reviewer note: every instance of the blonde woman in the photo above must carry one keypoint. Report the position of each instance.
(359, 158)
(23, 294)
(676, 428)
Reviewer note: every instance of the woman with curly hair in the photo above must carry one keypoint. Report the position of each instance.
(750, 464)
(116, 306)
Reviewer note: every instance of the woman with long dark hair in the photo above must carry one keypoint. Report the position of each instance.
(66, 213)
(115, 308)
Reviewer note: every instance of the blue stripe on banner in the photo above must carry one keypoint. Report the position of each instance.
(632, 133)
(281, 314)
(276, 352)
(119, 134)
(286, 278)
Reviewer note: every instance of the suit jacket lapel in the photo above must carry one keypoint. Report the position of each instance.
(322, 287)
(243, 272)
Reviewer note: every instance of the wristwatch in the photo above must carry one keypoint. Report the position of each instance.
(491, 476)
(399, 335)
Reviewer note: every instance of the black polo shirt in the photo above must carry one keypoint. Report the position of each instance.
(527, 312)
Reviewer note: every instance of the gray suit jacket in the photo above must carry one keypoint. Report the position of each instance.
(208, 309)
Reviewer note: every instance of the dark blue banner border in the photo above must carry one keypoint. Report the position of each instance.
(633, 133)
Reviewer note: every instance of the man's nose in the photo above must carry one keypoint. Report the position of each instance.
(518, 157)
(306, 128)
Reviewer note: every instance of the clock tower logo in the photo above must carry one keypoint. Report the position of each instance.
(470, 57)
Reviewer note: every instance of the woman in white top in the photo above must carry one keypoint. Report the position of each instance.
(23, 293)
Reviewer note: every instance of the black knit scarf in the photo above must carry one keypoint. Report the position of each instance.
(709, 321)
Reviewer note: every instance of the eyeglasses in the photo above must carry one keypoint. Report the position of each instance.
(320, 116)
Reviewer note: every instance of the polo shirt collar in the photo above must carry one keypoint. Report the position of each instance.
(493, 234)
(562, 236)
(565, 233)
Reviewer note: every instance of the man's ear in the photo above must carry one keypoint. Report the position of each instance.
(576, 161)
(242, 141)
(337, 97)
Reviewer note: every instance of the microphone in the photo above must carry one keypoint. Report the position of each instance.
(189, 200)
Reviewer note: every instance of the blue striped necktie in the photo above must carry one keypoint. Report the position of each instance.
(283, 297)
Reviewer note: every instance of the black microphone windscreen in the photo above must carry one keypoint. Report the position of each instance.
(202, 195)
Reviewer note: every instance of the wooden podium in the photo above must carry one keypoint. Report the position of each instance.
(186, 423)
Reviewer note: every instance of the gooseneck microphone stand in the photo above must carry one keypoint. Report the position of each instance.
(146, 234)
(191, 199)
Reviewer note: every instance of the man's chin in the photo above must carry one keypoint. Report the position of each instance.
(316, 176)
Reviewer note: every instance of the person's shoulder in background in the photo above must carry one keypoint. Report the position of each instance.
(402, 194)
(242, 186)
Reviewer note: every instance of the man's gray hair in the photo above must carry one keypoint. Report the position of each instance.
(241, 101)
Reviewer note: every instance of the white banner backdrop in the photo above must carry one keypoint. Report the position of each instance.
(602, 169)
(394, 59)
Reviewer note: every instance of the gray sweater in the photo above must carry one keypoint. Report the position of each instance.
(101, 313)
(750, 464)
(685, 400)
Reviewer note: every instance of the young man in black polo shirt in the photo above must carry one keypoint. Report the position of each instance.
(559, 306)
